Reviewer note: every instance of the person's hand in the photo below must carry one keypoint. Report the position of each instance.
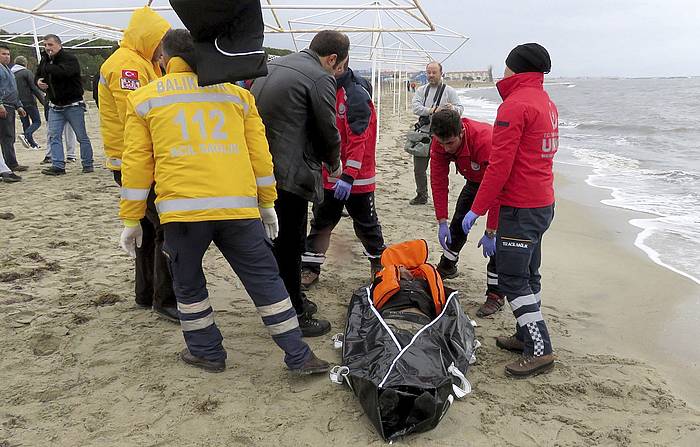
(41, 84)
(468, 221)
(21, 112)
(3, 112)
(131, 237)
(335, 173)
(342, 190)
(270, 222)
(444, 235)
(489, 245)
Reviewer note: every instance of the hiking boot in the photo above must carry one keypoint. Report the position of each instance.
(313, 365)
(447, 269)
(527, 365)
(52, 170)
(493, 304)
(215, 366)
(312, 327)
(419, 199)
(46, 161)
(309, 306)
(10, 177)
(20, 168)
(24, 141)
(167, 313)
(510, 343)
(88, 170)
(308, 278)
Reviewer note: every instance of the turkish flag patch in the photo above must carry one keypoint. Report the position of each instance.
(130, 74)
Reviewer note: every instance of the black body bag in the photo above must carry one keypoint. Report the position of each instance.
(407, 373)
(228, 38)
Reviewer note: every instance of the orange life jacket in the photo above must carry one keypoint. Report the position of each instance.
(413, 256)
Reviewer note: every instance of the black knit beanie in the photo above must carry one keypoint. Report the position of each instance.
(529, 57)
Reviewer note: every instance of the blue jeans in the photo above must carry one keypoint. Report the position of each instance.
(75, 115)
(34, 117)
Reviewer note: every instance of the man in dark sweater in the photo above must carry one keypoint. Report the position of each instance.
(59, 76)
(28, 94)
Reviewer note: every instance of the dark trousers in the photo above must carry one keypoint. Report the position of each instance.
(248, 251)
(519, 244)
(292, 213)
(154, 285)
(327, 215)
(420, 173)
(31, 123)
(451, 257)
(7, 138)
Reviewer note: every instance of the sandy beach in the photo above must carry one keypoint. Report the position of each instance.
(83, 367)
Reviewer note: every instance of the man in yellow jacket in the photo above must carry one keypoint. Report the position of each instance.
(133, 65)
(205, 147)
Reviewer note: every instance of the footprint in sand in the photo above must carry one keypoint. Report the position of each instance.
(44, 344)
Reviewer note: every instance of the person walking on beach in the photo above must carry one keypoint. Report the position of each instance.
(133, 65)
(297, 104)
(28, 94)
(520, 178)
(426, 101)
(356, 120)
(205, 148)
(9, 103)
(59, 75)
(467, 143)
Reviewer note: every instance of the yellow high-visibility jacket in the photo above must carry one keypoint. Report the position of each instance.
(129, 68)
(204, 147)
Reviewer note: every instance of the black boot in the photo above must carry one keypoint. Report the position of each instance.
(446, 268)
(207, 365)
(419, 199)
(313, 327)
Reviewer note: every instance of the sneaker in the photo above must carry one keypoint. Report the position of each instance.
(313, 365)
(312, 327)
(419, 199)
(528, 365)
(447, 269)
(308, 278)
(167, 313)
(88, 170)
(46, 161)
(71, 160)
(215, 366)
(36, 147)
(24, 141)
(52, 170)
(310, 307)
(10, 177)
(510, 343)
(494, 303)
(20, 168)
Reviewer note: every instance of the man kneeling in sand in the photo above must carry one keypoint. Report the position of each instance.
(205, 148)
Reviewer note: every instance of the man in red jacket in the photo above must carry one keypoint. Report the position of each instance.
(520, 178)
(356, 119)
(467, 143)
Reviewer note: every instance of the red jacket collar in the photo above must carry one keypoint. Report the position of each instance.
(509, 85)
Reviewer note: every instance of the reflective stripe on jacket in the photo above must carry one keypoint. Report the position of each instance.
(204, 147)
(129, 68)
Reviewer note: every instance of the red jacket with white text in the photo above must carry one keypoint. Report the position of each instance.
(356, 119)
(525, 140)
(471, 160)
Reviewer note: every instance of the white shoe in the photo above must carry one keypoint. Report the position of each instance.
(36, 148)
(24, 141)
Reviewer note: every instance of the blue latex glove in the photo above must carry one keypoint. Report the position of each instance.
(469, 221)
(342, 190)
(489, 244)
(444, 235)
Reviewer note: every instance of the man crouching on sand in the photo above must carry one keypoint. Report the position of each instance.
(205, 148)
(519, 176)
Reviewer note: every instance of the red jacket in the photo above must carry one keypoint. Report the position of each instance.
(356, 119)
(525, 139)
(471, 160)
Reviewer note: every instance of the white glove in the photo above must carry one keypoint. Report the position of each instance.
(269, 220)
(130, 239)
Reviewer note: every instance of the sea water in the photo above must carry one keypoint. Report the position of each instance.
(641, 137)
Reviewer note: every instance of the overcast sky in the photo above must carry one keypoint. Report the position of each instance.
(584, 37)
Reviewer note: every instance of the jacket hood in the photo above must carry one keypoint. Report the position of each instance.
(145, 31)
(15, 68)
(508, 85)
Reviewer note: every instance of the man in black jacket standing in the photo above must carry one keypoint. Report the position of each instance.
(296, 101)
(59, 76)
